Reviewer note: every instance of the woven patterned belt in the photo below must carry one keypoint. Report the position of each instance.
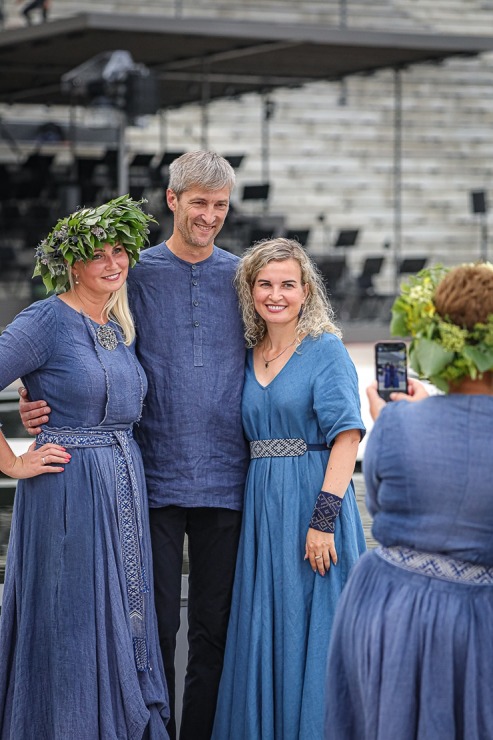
(129, 520)
(437, 566)
(282, 448)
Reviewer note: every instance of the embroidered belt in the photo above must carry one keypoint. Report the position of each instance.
(437, 566)
(129, 519)
(282, 448)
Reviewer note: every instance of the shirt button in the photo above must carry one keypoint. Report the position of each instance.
(195, 282)
(196, 323)
(194, 267)
(195, 303)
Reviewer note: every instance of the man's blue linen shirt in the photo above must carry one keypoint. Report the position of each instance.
(191, 345)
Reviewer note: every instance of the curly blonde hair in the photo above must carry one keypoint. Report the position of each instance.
(317, 316)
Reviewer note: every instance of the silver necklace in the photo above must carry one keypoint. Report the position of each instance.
(267, 362)
(105, 334)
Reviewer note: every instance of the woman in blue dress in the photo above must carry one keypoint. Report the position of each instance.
(79, 652)
(412, 650)
(301, 531)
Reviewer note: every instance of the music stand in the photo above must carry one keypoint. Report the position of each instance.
(256, 192)
(168, 158)
(299, 235)
(372, 265)
(258, 235)
(346, 238)
(412, 264)
(235, 160)
(142, 160)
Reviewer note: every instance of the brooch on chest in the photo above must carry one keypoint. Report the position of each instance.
(106, 337)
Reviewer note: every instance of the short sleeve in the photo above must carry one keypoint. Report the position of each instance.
(28, 342)
(335, 390)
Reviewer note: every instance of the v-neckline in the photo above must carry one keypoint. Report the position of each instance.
(268, 385)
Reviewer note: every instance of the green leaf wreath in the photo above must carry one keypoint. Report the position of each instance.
(440, 350)
(76, 237)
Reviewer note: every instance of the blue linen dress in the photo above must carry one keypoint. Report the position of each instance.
(412, 652)
(79, 652)
(281, 616)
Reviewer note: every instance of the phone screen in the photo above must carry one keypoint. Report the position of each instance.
(391, 368)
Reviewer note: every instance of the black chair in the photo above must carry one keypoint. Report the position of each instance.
(371, 267)
(9, 267)
(333, 270)
(86, 167)
(38, 165)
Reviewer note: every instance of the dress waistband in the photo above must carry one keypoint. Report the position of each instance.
(83, 437)
(437, 566)
(282, 448)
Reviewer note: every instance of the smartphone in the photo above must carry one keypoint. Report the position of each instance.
(391, 368)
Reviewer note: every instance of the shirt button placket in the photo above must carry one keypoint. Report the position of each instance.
(197, 332)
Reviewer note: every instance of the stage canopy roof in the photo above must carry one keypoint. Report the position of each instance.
(233, 57)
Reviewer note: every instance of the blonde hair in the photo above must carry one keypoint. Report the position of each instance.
(317, 316)
(116, 308)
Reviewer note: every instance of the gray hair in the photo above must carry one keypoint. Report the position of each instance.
(201, 169)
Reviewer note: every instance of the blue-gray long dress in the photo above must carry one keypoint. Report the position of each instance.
(281, 615)
(79, 652)
(411, 656)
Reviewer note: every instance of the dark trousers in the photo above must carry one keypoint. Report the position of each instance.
(212, 546)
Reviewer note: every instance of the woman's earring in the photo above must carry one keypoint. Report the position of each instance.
(76, 280)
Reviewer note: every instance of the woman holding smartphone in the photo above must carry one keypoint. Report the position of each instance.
(411, 649)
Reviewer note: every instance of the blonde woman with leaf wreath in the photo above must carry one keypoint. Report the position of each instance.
(411, 654)
(79, 651)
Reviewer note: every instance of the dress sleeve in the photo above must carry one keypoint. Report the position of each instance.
(28, 342)
(335, 391)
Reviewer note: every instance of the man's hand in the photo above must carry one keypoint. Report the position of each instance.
(33, 413)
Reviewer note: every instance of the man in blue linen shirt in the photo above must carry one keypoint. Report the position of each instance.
(190, 342)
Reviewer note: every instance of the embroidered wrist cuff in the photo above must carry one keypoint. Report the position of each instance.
(326, 511)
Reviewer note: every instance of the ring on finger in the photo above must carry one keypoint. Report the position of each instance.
(317, 557)
(43, 460)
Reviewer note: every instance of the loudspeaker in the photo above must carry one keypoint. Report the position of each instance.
(478, 201)
(142, 94)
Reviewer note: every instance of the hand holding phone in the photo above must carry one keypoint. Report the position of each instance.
(390, 368)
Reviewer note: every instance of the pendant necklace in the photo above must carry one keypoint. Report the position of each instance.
(267, 362)
(106, 337)
(105, 334)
